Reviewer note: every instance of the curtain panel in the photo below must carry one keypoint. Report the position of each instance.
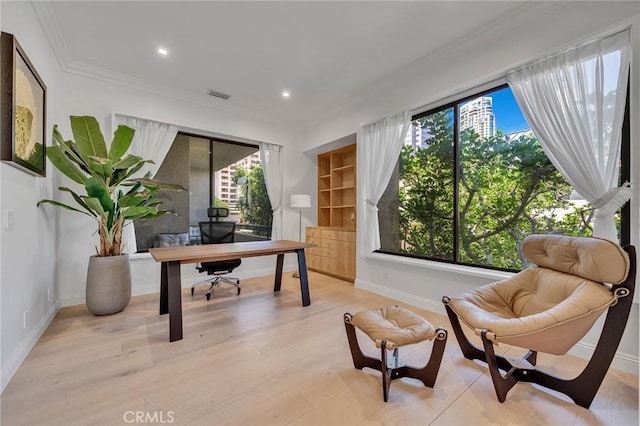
(380, 145)
(272, 158)
(151, 141)
(575, 102)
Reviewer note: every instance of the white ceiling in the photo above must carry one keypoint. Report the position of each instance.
(324, 53)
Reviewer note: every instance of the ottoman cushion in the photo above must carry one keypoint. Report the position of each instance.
(398, 326)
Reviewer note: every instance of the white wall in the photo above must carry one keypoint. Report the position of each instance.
(27, 264)
(540, 29)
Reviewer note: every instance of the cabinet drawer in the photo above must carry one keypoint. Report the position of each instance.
(312, 233)
(328, 234)
(313, 261)
(329, 252)
(328, 264)
(346, 236)
(329, 244)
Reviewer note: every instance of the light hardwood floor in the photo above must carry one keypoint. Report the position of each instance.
(263, 359)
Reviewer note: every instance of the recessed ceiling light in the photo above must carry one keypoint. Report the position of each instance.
(163, 51)
(286, 94)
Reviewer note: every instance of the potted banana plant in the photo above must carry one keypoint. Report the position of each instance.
(112, 195)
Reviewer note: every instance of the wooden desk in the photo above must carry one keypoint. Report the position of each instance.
(173, 257)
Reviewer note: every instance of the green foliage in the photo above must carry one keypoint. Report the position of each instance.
(112, 195)
(217, 202)
(254, 204)
(507, 189)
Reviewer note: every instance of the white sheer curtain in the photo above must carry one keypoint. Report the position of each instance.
(151, 141)
(272, 158)
(380, 145)
(574, 102)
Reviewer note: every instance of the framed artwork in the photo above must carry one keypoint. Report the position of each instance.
(22, 109)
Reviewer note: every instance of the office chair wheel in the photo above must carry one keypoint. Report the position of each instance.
(192, 291)
(208, 296)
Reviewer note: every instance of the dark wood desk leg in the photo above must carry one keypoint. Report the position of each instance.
(278, 283)
(304, 278)
(164, 286)
(174, 292)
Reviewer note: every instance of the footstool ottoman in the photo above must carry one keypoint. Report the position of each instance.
(390, 328)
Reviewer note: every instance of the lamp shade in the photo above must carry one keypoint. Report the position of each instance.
(300, 201)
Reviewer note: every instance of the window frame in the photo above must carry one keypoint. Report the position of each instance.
(625, 175)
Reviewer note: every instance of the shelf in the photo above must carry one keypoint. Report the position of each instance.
(337, 188)
(344, 168)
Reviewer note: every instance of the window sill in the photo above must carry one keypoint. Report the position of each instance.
(441, 266)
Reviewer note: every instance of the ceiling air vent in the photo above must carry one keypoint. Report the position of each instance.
(219, 95)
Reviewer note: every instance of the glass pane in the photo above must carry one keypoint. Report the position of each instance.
(421, 192)
(507, 187)
(237, 184)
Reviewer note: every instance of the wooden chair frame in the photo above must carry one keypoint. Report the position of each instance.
(393, 368)
(583, 388)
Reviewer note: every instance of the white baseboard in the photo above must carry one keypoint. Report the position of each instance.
(18, 355)
(411, 299)
(622, 361)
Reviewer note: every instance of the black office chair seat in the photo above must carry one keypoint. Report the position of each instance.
(215, 233)
(223, 266)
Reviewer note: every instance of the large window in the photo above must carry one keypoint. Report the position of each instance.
(472, 181)
(218, 173)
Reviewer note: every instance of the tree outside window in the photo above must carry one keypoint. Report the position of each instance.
(470, 195)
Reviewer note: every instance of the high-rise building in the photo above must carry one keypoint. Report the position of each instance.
(417, 136)
(226, 190)
(478, 115)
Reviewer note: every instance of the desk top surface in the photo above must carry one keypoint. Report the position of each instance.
(225, 251)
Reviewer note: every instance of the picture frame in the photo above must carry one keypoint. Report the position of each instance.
(23, 102)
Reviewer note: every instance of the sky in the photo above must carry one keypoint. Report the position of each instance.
(508, 116)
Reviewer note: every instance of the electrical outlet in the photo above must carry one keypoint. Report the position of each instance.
(8, 219)
(25, 319)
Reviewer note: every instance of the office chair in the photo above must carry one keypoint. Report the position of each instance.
(216, 232)
(549, 308)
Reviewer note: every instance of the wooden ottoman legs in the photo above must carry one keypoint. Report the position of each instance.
(393, 368)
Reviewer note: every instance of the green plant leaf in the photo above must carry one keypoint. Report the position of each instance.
(64, 206)
(88, 137)
(122, 138)
(138, 212)
(78, 200)
(130, 172)
(66, 167)
(95, 205)
(131, 200)
(101, 166)
(128, 161)
(97, 189)
(150, 183)
(68, 147)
